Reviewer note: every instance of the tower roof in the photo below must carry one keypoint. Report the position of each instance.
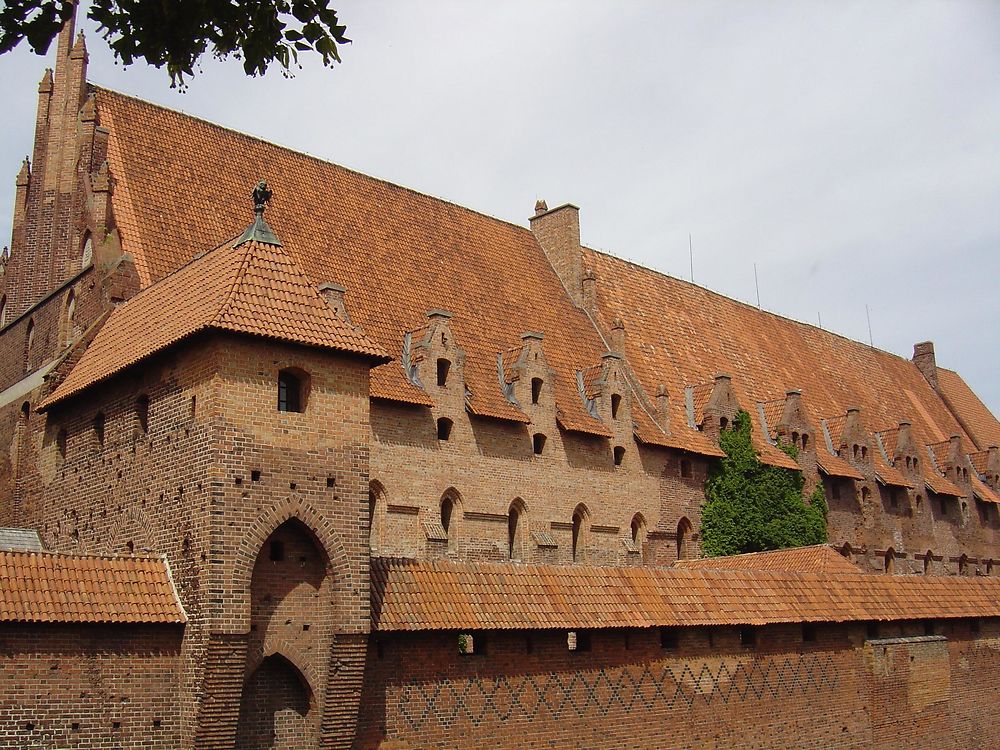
(251, 288)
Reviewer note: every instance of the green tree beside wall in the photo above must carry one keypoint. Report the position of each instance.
(752, 507)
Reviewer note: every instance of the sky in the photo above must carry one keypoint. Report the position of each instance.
(848, 150)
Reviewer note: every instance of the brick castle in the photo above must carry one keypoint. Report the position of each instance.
(343, 465)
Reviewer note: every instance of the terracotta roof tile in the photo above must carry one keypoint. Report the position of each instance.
(818, 558)
(835, 466)
(51, 587)
(253, 288)
(886, 473)
(680, 333)
(386, 244)
(982, 491)
(933, 477)
(978, 461)
(982, 426)
(437, 595)
(773, 410)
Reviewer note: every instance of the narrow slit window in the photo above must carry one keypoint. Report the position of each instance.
(142, 413)
(616, 403)
(536, 390)
(443, 369)
(619, 455)
(99, 428)
(538, 443)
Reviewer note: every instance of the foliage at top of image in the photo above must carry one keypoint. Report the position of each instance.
(752, 507)
(176, 34)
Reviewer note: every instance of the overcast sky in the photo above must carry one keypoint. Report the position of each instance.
(850, 150)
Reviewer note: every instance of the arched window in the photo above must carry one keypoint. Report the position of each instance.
(536, 390)
(864, 452)
(444, 426)
(639, 533)
(683, 539)
(805, 441)
(538, 443)
(616, 403)
(619, 454)
(866, 494)
(450, 515)
(292, 390)
(376, 513)
(856, 451)
(846, 550)
(795, 439)
(928, 563)
(580, 517)
(963, 565)
(516, 530)
(889, 563)
(723, 423)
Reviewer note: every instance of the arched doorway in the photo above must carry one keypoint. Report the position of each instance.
(276, 711)
(290, 592)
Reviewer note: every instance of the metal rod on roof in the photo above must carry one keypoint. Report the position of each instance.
(871, 342)
(819, 317)
(691, 256)
(756, 284)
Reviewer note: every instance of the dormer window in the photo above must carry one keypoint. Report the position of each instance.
(536, 390)
(619, 454)
(292, 390)
(723, 423)
(795, 439)
(909, 463)
(443, 368)
(864, 453)
(538, 443)
(444, 426)
(616, 403)
(856, 451)
(805, 442)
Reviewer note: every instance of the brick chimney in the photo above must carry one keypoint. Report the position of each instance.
(923, 358)
(334, 296)
(663, 408)
(618, 337)
(558, 233)
(993, 466)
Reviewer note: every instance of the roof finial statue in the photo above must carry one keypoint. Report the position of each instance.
(261, 196)
(259, 230)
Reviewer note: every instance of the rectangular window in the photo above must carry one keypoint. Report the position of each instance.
(668, 639)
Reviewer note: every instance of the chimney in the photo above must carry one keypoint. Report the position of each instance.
(618, 337)
(663, 408)
(334, 296)
(955, 453)
(993, 466)
(923, 358)
(904, 440)
(558, 233)
(791, 413)
(589, 290)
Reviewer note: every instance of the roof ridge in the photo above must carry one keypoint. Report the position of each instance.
(309, 156)
(235, 284)
(84, 555)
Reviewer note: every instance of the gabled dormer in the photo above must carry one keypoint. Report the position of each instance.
(721, 408)
(436, 362)
(795, 426)
(854, 444)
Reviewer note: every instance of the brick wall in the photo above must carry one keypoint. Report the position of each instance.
(708, 691)
(89, 686)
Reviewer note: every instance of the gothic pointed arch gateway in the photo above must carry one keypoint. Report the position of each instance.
(290, 599)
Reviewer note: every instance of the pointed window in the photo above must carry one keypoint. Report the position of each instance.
(616, 404)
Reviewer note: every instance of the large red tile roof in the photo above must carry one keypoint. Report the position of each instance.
(399, 253)
(979, 422)
(411, 595)
(680, 333)
(52, 587)
(253, 288)
(817, 558)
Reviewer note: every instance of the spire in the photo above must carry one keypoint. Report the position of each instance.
(259, 230)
